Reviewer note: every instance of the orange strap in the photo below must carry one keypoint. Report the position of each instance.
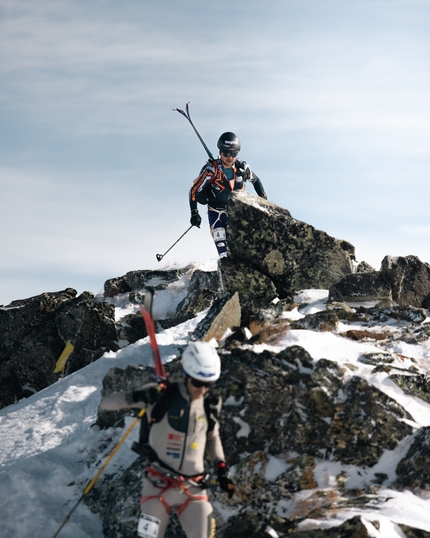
(176, 482)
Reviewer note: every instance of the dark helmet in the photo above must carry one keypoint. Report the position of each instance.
(228, 142)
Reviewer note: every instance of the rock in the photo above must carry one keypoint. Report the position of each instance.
(139, 280)
(364, 267)
(358, 335)
(224, 314)
(413, 471)
(325, 321)
(415, 385)
(256, 290)
(404, 313)
(203, 289)
(360, 287)
(33, 334)
(409, 279)
(293, 254)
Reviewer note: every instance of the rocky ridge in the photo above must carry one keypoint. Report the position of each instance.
(306, 436)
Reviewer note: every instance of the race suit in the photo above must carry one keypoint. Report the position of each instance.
(180, 440)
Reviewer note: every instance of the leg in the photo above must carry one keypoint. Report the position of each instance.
(218, 228)
(197, 519)
(154, 507)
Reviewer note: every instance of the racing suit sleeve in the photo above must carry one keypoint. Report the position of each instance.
(124, 400)
(207, 174)
(214, 449)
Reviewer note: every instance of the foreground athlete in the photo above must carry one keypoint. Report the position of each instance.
(217, 179)
(177, 443)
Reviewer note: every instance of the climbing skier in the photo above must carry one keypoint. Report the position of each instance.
(217, 179)
(182, 429)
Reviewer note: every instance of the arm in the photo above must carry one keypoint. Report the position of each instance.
(139, 398)
(214, 448)
(197, 193)
(248, 175)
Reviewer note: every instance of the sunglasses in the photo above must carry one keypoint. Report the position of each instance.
(230, 153)
(199, 384)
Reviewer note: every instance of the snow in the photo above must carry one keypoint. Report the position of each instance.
(50, 448)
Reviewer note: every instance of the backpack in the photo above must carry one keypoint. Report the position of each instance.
(212, 405)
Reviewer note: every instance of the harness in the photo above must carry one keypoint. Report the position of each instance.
(166, 481)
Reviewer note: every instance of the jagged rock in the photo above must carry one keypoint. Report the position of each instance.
(293, 254)
(33, 333)
(375, 359)
(224, 314)
(346, 313)
(413, 471)
(139, 280)
(202, 291)
(411, 532)
(426, 302)
(256, 291)
(131, 328)
(364, 267)
(409, 279)
(415, 385)
(357, 335)
(368, 286)
(325, 321)
(405, 313)
(351, 528)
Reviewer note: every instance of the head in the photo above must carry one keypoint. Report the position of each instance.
(229, 147)
(202, 367)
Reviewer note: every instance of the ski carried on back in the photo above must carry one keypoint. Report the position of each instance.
(186, 114)
(146, 310)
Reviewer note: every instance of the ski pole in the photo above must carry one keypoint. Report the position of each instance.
(161, 256)
(187, 115)
(102, 468)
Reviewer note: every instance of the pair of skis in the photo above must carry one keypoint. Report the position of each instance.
(161, 377)
(186, 115)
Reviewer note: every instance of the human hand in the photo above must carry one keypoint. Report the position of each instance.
(196, 219)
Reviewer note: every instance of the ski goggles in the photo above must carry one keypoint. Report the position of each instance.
(230, 153)
(199, 384)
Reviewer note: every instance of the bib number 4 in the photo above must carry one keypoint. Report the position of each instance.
(148, 526)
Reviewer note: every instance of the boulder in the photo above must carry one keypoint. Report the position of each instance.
(293, 254)
(361, 287)
(256, 290)
(409, 279)
(33, 334)
(139, 280)
(224, 314)
(413, 471)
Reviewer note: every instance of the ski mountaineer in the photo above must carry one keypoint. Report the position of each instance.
(177, 442)
(217, 179)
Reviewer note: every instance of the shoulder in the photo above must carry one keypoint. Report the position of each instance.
(211, 166)
(241, 165)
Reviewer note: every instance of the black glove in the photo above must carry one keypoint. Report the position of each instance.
(149, 396)
(196, 219)
(225, 483)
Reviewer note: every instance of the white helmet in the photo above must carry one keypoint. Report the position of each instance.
(201, 361)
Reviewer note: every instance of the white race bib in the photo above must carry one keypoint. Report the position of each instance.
(219, 234)
(148, 526)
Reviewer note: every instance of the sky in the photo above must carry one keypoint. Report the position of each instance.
(330, 99)
(50, 448)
